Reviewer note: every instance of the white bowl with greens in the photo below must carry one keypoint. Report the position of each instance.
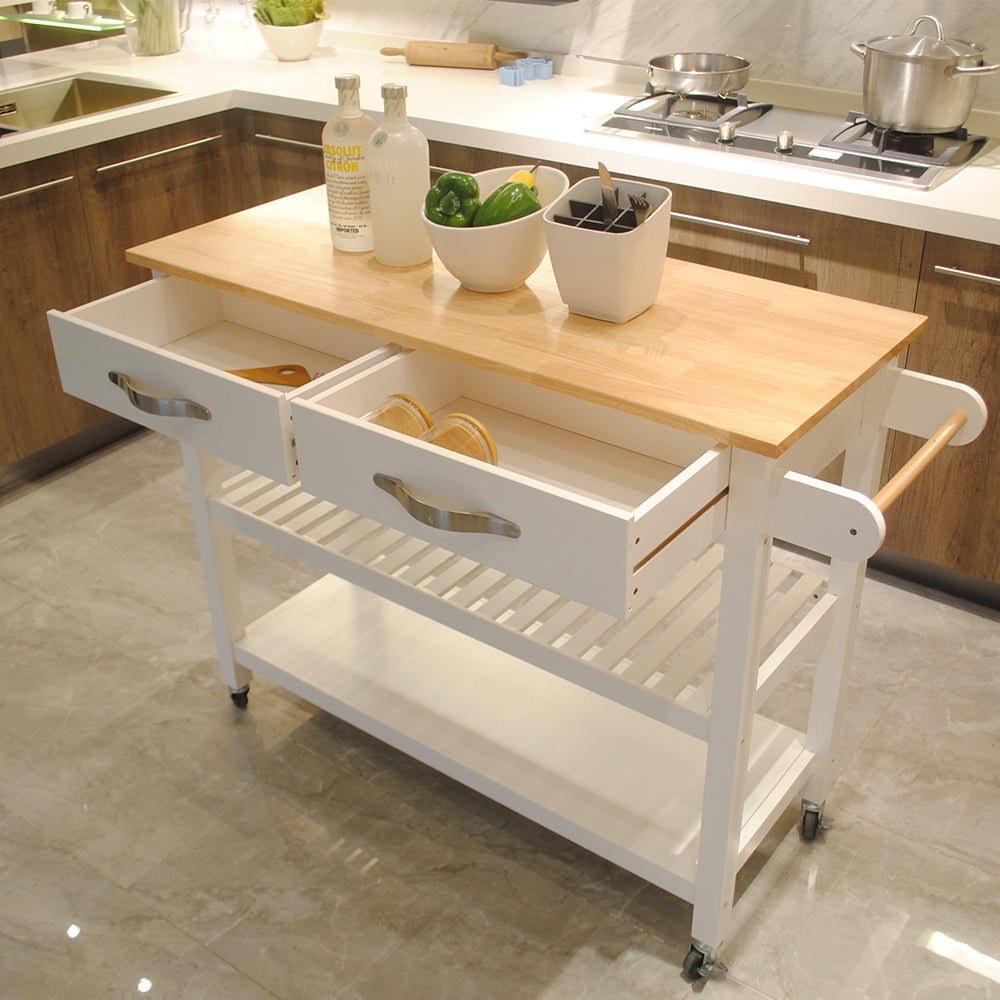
(291, 29)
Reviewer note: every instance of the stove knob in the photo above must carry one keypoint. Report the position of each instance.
(727, 132)
(786, 142)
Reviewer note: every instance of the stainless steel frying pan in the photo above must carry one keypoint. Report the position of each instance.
(703, 73)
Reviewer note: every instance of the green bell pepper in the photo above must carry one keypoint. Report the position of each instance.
(510, 201)
(454, 200)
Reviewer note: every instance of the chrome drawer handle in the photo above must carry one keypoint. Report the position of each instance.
(36, 187)
(158, 405)
(447, 520)
(159, 152)
(282, 141)
(803, 241)
(956, 273)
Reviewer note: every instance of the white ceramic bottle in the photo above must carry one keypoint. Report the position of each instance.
(345, 163)
(399, 178)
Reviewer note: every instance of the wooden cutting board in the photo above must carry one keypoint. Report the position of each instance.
(462, 55)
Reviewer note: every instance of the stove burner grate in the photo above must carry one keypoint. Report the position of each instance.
(692, 109)
(859, 135)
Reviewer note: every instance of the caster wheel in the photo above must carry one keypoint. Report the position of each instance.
(240, 698)
(694, 962)
(810, 824)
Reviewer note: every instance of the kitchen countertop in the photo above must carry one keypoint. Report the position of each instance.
(224, 66)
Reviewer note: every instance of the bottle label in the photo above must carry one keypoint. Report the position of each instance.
(379, 137)
(348, 201)
(343, 159)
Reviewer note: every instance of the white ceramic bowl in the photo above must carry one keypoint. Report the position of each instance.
(498, 258)
(292, 43)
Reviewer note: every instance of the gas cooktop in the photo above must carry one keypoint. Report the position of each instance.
(735, 125)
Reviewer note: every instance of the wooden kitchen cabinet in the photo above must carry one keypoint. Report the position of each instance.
(45, 264)
(948, 518)
(448, 156)
(143, 186)
(286, 154)
(68, 221)
(863, 260)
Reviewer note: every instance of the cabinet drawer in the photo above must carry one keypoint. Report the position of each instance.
(596, 505)
(159, 354)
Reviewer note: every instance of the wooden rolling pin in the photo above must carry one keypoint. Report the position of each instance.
(462, 55)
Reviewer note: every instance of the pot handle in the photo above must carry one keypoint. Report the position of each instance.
(933, 20)
(859, 49)
(971, 70)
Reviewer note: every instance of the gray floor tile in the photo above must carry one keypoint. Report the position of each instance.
(66, 931)
(280, 853)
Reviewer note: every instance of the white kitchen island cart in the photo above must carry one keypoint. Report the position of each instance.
(590, 630)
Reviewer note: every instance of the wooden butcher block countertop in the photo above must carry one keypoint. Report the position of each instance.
(736, 359)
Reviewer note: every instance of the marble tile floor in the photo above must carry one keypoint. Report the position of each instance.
(153, 839)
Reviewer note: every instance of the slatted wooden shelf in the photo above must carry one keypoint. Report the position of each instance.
(658, 661)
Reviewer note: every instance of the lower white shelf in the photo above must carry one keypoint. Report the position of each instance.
(609, 778)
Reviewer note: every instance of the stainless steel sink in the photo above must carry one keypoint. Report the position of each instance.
(43, 104)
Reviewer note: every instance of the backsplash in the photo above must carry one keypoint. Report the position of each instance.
(805, 42)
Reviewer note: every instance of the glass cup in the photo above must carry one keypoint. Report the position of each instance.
(152, 27)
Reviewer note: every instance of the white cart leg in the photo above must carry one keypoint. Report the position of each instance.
(862, 471)
(215, 544)
(745, 568)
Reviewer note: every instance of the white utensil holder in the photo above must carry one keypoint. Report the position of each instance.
(608, 269)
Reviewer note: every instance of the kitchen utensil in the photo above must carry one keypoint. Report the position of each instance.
(608, 196)
(920, 83)
(706, 73)
(293, 375)
(640, 206)
(462, 55)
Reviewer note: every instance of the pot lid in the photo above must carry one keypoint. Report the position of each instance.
(927, 46)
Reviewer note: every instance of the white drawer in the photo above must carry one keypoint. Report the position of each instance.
(596, 505)
(159, 354)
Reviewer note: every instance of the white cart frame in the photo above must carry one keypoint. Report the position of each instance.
(497, 684)
(600, 664)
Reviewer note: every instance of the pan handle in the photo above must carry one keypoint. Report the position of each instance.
(971, 70)
(859, 49)
(614, 62)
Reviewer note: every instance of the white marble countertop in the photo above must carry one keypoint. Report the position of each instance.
(227, 67)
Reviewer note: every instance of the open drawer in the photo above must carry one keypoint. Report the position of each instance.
(596, 505)
(160, 354)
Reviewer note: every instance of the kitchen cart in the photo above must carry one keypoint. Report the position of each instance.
(590, 631)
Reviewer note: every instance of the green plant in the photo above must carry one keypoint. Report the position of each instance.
(289, 12)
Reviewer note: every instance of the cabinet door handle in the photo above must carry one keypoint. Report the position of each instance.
(956, 273)
(36, 187)
(159, 152)
(282, 141)
(802, 241)
(440, 517)
(158, 405)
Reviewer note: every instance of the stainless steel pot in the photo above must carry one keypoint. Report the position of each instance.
(698, 73)
(920, 83)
